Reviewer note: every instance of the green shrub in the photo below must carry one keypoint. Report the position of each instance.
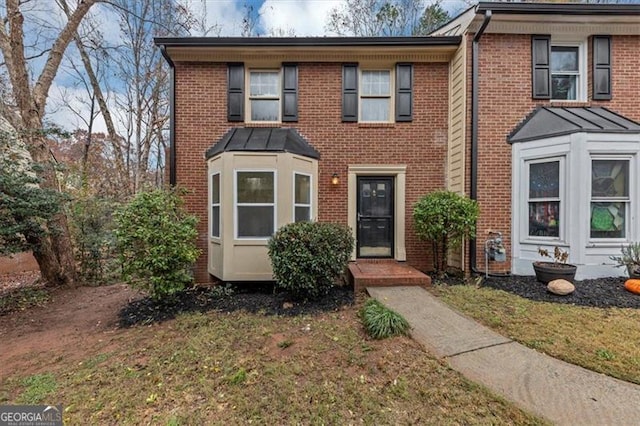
(381, 322)
(307, 257)
(446, 219)
(157, 242)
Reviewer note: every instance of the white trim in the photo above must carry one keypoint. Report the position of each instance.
(293, 201)
(582, 76)
(274, 205)
(578, 149)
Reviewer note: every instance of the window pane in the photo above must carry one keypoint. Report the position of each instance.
(376, 83)
(263, 83)
(544, 219)
(255, 187)
(264, 110)
(255, 221)
(608, 220)
(303, 189)
(215, 189)
(375, 109)
(544, 180)
(303, 214)
(564, 59)
(609, 178)
(215, 221)
(564, 87)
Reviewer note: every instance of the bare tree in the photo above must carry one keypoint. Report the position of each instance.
(369, 18)
(52, 250)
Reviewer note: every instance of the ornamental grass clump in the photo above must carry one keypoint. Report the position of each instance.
(381, 322)
(308, 257)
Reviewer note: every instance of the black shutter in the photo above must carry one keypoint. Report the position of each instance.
(235, 92)
(404, 92)
(350, 92)
(541, 66)
(290, 92)
(602, 67)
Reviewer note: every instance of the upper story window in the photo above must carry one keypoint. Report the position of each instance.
(375, 96)
(264, 95)
(559, 69)
(544, 198)
(565, 72)
(609, 198)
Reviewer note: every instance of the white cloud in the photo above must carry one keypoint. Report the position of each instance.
(223, 16)
(303, 17)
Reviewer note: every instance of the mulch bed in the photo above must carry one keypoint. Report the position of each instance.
(246, 297)
(599, 293)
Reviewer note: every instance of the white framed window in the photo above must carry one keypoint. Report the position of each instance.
(375, 96)
(264, 95)
(255, 205)
(568, 71)
(301, 197)
(215, 205)
(610, 197)
(544, 198)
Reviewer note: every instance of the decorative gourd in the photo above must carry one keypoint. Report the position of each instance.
(633, 285)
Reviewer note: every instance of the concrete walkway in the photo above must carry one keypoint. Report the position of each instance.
(555, 390)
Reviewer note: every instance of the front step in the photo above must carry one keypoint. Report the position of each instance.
(365, 273)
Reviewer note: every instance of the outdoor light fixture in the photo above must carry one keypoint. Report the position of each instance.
(335, 179)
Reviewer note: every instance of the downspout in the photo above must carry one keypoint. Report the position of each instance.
(172, 116)
(473, 191)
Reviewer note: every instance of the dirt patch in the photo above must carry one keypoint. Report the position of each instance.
(75, 323)
(19, 262)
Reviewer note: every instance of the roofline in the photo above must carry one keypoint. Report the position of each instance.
(558, 8)
(306, 41)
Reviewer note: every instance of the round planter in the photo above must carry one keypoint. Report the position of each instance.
(549, 271)
(633, 273)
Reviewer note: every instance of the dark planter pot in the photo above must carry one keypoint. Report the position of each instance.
(634, 273)
(549, 271)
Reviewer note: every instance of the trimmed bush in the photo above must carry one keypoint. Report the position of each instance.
(446, 219)
(381, 322)
(157, 242)
(308, 257)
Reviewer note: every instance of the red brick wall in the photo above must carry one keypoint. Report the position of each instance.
(420, 145)
(505, 100)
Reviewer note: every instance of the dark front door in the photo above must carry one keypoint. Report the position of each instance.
(375, 217)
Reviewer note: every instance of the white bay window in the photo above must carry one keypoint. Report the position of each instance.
(255, 204)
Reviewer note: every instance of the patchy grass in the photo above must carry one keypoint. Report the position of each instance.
(242, 368)
(37, 388)
(21, 299)
(600, 339)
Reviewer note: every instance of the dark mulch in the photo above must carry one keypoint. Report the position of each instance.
(252, 298)
(599, 293)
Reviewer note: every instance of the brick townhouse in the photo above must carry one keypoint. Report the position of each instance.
(530, 108)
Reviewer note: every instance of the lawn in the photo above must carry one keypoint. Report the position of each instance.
(600, 339)
(242, 368)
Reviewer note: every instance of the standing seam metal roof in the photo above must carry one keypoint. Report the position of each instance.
(263, 139)
(545, 122)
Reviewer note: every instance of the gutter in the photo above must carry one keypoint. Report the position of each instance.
(172, 115)
(311, 42)
(473, 191)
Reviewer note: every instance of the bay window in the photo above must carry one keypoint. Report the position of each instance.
(544, 198)
(255, 204)
(302, 197)
(215, 205)
(609, 198)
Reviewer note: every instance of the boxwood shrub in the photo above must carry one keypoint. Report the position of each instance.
(308, 257)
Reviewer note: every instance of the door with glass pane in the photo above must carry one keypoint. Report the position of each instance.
(375, 217)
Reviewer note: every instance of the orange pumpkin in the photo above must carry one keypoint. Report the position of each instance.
(633, 285)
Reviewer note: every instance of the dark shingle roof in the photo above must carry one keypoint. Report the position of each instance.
(545, 122)
(263, 139)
